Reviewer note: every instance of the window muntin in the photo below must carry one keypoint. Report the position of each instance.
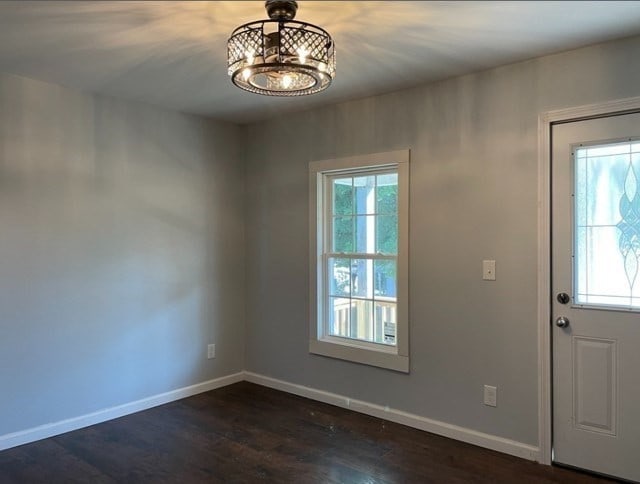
(607, 225)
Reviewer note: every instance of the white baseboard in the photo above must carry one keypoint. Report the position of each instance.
(56, 428)
(463, 434)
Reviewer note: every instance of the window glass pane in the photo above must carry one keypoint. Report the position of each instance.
(362, 319)
(597, 300)
(384, 275)
(365, 234)
(387, 194)
(343, 196)
(343, 234)
(604, 178)
(607, 226)
(339, 277)
(362, 278)
(339, 316)
(385, 322)
(365, 194)
(608, 150)
(580, 261)
(387, 234)
(604, 271)
(581, 188)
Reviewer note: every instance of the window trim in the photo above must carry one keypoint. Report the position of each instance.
(384, 356)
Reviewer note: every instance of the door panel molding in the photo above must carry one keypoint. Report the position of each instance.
(595, 403)
(545, 122)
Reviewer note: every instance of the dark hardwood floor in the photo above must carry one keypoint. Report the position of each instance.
(248, 433)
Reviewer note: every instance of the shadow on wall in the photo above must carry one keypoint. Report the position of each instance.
(107, 251)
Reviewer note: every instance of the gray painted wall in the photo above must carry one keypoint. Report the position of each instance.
(121, 252)
(473, 197)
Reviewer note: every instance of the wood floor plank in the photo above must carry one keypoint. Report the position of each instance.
(245, 433)
(47, 462)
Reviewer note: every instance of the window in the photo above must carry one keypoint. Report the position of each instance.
(607, 227)
(359, 263)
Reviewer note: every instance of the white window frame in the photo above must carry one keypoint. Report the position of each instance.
(374, 354)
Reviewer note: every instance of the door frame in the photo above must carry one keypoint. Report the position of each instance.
(546, 120)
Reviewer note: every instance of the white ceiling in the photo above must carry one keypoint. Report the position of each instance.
(173, 54)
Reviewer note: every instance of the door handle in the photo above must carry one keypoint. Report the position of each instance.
(562, 322)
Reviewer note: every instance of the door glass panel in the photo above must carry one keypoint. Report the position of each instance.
(607, 225)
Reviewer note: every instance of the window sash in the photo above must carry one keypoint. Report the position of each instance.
(326, 303)
(328, 242)
(328, 216)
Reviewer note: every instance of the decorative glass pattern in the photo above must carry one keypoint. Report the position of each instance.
(316, 43)
(607, 225)
(245, 44)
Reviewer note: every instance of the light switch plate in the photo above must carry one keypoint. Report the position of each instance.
(490, 396)
(489, 270)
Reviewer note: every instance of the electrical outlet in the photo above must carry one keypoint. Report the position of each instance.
(491, 396)
(211, 351)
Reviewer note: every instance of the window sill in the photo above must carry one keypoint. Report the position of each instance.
(381, 359)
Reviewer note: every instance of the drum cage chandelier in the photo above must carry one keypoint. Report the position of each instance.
(280, 56)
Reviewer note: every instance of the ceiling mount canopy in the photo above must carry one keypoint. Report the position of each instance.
(281, 56)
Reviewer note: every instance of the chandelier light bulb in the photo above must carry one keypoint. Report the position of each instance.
(302, 54)
(250, 56)
(286, 81)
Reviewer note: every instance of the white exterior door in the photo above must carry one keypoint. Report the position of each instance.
(596, 294)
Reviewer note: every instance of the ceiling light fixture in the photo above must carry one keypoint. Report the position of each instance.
(280, 56)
